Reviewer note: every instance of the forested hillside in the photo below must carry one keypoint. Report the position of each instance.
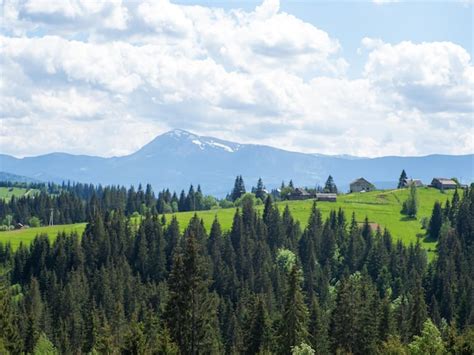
(267, 285)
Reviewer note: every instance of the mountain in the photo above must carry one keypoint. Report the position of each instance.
(4, 176)
(178, 158)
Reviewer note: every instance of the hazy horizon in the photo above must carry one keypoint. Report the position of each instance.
(342, 155)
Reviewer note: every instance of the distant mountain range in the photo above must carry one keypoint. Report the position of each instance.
(178, 158)
(4, 176)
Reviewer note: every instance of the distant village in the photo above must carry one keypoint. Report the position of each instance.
(329, 192)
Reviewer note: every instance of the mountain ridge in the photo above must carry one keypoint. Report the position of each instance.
(179, 158)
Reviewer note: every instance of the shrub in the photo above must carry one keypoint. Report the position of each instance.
(34, 222)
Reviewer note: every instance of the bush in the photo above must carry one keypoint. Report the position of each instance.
(410, 206)
(249, 197)
(226, 204)
(34, 222)
(209, 203)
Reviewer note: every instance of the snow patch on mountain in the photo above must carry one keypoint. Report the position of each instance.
(223, 146)
(198, 143)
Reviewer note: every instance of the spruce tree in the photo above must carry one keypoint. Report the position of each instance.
(259, 337)
(318, 328)
(191, 310)
(10, 337)
(330, 186)
(293, 329)
(418, 309)
(410, 205)
(239, 188)
(260, 190)
(402, 179)
(436, 221)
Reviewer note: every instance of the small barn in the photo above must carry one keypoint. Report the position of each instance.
(443, 183)
(19, 226)
(360, 185)
(415, 182)
(299, 194)
(330, 197)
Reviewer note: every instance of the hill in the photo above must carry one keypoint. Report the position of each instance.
(4, 176)
(25, 236)
(178, 158)
(7, 192)
(381, 207)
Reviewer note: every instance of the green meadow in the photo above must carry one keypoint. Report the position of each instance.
(25, 236)
(382, 208)
(6, 193)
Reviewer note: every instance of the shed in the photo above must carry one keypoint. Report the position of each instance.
(415, 182)
(443, 183)
(360, 185)
(299, 194)
(330, 197)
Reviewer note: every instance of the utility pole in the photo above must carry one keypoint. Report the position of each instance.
(51, 216)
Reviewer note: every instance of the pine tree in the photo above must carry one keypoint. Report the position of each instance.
(330, 186)
(260, 190)
(436, 221)
(410, 205)
(259, 337)
(293, 329)
(10, 338)
(239, 188)
(135, 340)
(343, 319)
(418, 308)
(402, 179)
(318, 328)
(191, 311)
(34, 312)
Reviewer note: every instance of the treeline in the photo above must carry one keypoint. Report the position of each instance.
(72, 203)
(265, 286)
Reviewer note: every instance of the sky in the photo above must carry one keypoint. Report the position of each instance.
(366, 78)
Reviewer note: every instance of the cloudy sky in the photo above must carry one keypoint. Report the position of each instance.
(363, 78)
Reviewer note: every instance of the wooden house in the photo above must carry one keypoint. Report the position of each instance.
(300, 194)
(443, 183)
(360, 185)
(330, 197)
(409, 182)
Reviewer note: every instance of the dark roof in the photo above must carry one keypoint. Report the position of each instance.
(416, 182)
(360, 180)
(325, 194)
(445, 181)
(300, 191)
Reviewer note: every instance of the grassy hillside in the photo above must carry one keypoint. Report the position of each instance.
(381, 207)
(7, 192)
(16, 237)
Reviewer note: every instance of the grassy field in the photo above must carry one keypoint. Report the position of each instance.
(6, 193)
(26, 235)
(381, 207)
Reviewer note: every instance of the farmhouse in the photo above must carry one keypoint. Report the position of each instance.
(326, 197)
(443, 183)
(299, 194)
(360, 185)
(415, 182)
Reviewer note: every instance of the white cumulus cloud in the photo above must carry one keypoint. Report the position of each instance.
(105, 77)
